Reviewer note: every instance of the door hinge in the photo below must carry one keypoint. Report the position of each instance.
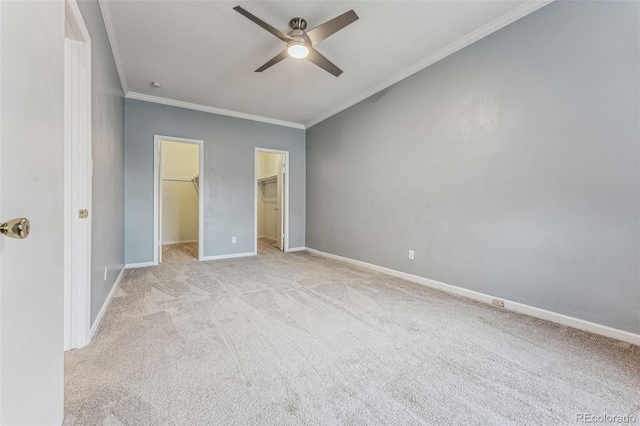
(83, 214)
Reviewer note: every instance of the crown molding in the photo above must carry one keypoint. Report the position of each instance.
(212, 110)
(106, 17)
(493, 26)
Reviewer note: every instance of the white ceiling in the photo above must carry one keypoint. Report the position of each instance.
(204, 53)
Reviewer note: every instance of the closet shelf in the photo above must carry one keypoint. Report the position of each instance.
(268, 179)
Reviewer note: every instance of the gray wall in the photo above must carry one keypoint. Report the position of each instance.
(510, 167)
(107, 210)
(229, 145)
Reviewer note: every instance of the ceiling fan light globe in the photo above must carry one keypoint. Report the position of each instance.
(298, 50)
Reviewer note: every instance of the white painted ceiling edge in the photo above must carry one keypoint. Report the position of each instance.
(463, 42)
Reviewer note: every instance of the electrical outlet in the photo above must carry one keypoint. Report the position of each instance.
(233, 240)
(105, 273)
(498, 302)
(410, 254)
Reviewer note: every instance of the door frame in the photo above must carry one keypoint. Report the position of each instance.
(255, 196)
(78, 176)
(157, 194)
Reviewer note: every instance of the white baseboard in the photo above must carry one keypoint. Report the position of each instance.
(532, 311)
(170, 243)
(296, 249)
(105, 305)
(229, 256)
(139, 265)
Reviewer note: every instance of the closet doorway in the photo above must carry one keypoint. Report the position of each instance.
(272, 198)
(178, 215)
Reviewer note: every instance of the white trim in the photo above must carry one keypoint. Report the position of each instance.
(580, 324)
(170, 243)
(105, 305)
(229, 256)
(212, 110)
(157, 244)
(139, 265)
(157, 193)
(108, 24)
(78, 170)
(255, 195)
(291, 250)
(72, 12)
(68, 206)
(501, 22)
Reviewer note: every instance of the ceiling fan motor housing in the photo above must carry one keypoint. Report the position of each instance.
(299, 37)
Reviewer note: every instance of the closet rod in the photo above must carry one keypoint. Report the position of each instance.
(269, 179)
(177, 180)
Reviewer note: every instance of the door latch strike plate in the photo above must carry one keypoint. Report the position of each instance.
(84, 214)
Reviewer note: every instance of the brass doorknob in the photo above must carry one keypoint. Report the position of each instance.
(16, 228)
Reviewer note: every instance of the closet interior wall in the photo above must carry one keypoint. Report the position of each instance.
(267, 195)
(180, 171)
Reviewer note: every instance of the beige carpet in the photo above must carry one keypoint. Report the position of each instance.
(299, 339)
(179, 253)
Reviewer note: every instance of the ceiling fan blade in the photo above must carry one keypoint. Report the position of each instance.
(323, 31)
(282, 36)
(322, 62)
(279, 57)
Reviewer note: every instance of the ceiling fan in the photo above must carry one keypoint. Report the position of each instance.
(300, 43)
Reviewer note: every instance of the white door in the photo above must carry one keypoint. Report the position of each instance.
(280, 203)
(32, 178)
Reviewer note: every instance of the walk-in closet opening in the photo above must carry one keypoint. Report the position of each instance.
(271, 199)
(179, 198)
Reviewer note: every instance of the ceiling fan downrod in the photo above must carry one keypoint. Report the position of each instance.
(298, 24)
